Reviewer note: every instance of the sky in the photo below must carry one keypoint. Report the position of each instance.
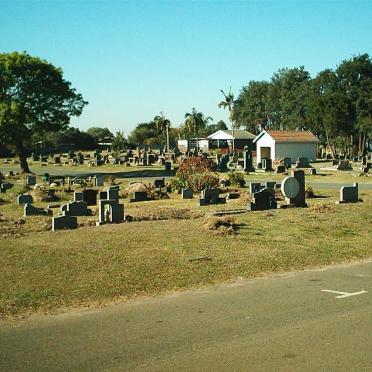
(134, 59)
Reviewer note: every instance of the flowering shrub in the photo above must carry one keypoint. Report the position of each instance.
(196, 173)
(236, 178)
(177, 184)
(200, 181)
(191, 166)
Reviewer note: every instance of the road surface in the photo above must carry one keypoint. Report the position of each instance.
(278, 323)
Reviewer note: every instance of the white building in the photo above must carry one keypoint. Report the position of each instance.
(224, 138)
(273, 144)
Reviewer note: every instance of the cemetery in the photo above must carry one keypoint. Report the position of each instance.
(140, 224)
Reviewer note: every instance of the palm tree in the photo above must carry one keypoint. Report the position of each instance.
(195, 121)
(162, 125)
(229, 103)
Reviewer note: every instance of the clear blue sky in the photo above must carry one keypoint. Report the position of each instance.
(131, 60)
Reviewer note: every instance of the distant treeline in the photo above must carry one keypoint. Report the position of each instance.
(335, 104)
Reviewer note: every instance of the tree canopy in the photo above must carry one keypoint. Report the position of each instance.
(34, 98)
(335, 104)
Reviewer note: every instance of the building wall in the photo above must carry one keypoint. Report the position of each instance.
(295, 150)
(265, 141)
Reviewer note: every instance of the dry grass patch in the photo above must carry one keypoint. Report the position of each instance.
(225, 225)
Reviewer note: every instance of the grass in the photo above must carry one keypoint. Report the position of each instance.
(44, 271)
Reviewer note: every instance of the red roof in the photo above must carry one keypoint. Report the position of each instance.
(292, 136)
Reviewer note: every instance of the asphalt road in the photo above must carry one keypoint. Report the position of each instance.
(278, 323)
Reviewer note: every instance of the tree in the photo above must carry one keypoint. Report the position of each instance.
(163, 125)
(195, 121)
(229, 103)
(355, 76)
(144, 134)
(287, 98)
(34, 98)
(119, 143)
(250, 108)
(329, 109)
(100, 133)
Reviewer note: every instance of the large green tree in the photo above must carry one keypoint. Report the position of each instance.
(250, 108)
(355, 78)
(328, 108)
(100, 133)
(34, 98)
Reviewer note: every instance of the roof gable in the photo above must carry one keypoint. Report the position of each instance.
(287, 136)
(227, 134)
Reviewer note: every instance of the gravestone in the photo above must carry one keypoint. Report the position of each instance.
(90, 196)
(263, 200)
(30, 210)
(302, 162)
(290, 187)
(139, 196)
(211, 196)
(187, 194)
(344, 165)
(99, 180)
(280, 168)
(233, 195)
(247, 161)
(64, 222)
(167, 166)
(46, 177)
(5, 186)
(78, 196)
(223, 162)
(267, 164)
(110, 211)
(287, 162)
(254, 187)
(30, 180)
(270, 185)
(76, 208)
(24, 199)
(349, 194)
(299, 199)
(160, 183)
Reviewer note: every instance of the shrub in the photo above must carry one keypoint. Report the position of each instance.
(194, 165)
(200, 181)
(236, 178)
(177, 184)
(196, 173)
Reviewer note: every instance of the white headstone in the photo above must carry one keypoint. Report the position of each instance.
(290, 187)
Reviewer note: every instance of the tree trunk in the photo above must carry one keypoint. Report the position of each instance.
(22, 157)
(330, 146)
(167, 139)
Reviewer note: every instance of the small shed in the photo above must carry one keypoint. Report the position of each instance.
(224, 138)
(274, 144)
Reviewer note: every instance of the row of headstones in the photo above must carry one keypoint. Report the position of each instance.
(97, 180)
(232, 161)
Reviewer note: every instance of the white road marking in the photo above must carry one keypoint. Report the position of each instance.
(344, 294)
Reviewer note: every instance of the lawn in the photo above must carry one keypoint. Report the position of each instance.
(168, 248)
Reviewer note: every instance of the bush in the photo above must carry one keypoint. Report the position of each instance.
(196, 173)
(194, 165)
(200, 181)
(177, 184)
(236, 178)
